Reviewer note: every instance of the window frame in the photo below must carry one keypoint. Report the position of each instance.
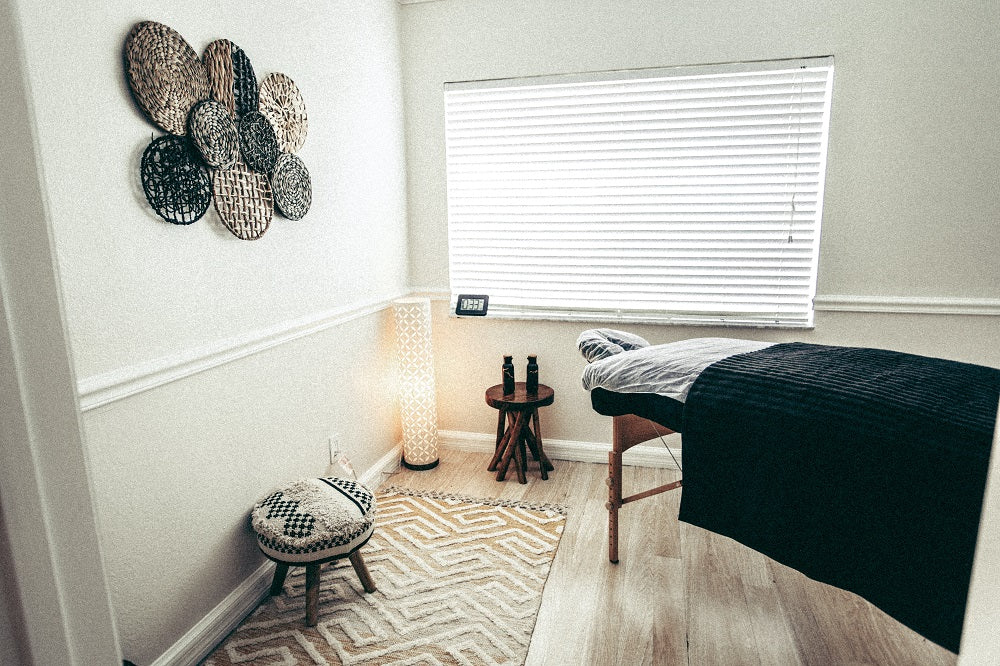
(673, 315)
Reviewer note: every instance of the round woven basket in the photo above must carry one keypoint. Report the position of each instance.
(176, 184)
(218, 58)
(292, 186)
(231, 77)
(281, 102)
(258, 143)
(164, 73)
(243, 200)
(213, 132)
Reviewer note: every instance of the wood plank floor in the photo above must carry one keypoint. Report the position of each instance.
(680, 594)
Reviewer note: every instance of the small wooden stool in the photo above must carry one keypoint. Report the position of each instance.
(313, 521)
(518, 415)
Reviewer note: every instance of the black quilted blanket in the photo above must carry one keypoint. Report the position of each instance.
(861, 468)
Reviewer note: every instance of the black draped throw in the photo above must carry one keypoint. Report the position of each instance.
(861, 468)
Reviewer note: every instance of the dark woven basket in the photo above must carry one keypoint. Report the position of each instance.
(176, 184)
(164, 73)
(244, 83)
(243, 200)
(231, 77)
(213, 132)
(292, 186)
(258, 143)
(281, 102)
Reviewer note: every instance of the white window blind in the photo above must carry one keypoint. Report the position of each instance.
(690, 195)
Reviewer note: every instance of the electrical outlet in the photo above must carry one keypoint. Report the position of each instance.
(340, 463)
(333, 442)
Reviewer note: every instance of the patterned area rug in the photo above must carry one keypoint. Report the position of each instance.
(459, 582)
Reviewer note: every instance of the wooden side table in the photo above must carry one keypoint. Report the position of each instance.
(517, 428)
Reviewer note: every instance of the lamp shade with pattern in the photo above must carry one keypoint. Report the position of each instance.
(417, 398)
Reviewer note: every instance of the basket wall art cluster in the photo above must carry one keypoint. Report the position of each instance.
(229, 141)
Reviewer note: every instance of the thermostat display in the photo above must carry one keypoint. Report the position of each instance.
(471, 305)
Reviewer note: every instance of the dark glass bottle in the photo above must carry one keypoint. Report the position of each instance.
(531, 378)
(508, 375)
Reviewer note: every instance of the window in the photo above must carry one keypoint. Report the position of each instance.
(690, 195)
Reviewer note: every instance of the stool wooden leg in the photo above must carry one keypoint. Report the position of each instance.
(279, 578)
(529, 438)
(520, 464)
(513, 435)
(500, 425)
(359, 568)
(312, 594)
(501, 448)
(544, 462)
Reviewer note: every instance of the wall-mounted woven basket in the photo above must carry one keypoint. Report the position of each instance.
(211, 128)
(281, 103)
(174, 180)
(165, 75)
(243, 200)
(258, 143)
(217, 116)
(292, 186)
(231, 77)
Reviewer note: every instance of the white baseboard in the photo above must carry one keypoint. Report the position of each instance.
(644, 455)
(204, 636)
(385, 466)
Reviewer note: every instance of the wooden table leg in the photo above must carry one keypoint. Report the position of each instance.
(519, 457)
(543, 463)
(512, 436)
(501, 449)
(500, 425)
(529, 439)
(532, 442)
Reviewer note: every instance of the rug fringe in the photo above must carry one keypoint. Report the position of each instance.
(489, 501)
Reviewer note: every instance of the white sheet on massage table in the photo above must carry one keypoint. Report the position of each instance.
(668, 370)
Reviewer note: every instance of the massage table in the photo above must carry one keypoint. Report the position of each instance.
(862, 468)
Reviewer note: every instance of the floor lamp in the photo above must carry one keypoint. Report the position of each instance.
(417, 400)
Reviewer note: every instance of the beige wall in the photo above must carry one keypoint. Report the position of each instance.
(911, 204)
(910, 191)
(221, 366)
(177, 468)
(468, 354)
(138, 288)
(911, 196)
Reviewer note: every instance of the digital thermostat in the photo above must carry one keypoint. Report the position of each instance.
(471, 305)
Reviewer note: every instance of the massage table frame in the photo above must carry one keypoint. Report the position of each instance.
(628, 431)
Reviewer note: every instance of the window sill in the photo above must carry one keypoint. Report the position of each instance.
(631, 319)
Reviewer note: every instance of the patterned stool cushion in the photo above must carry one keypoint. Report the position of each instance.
(314, 519)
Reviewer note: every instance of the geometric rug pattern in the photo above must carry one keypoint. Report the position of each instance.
(459, 582)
